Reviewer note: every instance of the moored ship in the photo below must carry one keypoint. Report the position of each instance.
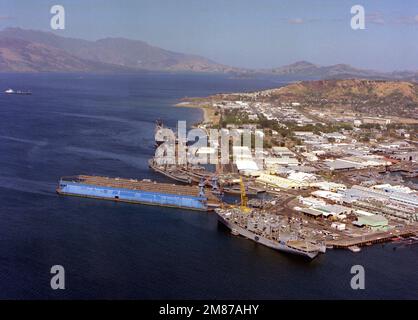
(266, 229)
(170, 172)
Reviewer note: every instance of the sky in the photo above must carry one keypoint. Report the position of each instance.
(242, 33)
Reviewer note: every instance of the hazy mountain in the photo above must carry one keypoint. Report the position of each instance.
(18, 55)
(307, 70)
(303, 70)
(32, 51)
(132, 54)
(342, 90)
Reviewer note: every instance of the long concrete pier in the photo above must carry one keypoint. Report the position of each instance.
(373, 238)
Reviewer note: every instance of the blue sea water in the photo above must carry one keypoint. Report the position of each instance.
(104, 125)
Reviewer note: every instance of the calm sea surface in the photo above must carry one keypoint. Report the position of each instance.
(103, 125)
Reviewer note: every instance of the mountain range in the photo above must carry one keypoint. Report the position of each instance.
(37, 51)
(24, 50)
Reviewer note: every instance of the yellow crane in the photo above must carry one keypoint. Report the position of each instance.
(244, 198)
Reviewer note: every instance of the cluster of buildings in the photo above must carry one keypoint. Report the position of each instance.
(282, 169)
(300, 169)
(380, 202)
(342, 153)
(280, 112)
(346, 116)
(356, 162)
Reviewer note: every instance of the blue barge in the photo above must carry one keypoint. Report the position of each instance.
(138, 191)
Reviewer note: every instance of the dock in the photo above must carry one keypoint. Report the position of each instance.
(378, 237)
(138, 191)
(195, 175)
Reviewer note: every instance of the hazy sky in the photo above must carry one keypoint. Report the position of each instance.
(243, 33)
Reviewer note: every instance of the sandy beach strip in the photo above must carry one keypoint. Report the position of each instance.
(208, 113)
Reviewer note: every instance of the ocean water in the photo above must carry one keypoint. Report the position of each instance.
(103, 125)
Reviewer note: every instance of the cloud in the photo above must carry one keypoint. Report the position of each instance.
(2, 18)
(311, 20)
(407, 20)
(296, 21)
(375, 18)
(379, 18)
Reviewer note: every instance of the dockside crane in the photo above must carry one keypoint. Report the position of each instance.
(244, 198)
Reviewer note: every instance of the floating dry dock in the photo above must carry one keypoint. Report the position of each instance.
(138, 191)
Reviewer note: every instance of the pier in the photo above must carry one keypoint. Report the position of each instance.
(379, 237)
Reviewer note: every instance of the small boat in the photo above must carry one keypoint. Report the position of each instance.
(11, 91)
(354, 249)
(322, 248)
(235, 232)
(396, 239)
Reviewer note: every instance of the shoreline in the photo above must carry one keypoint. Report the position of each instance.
(208, 113)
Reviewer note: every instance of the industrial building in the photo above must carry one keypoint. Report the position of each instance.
(396, 204)
(373, 221)
(279, 182)
(332, 196)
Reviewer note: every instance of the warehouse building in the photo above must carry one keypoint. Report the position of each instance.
(279, 182)
(376, 222)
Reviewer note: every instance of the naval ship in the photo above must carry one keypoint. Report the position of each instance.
(267, 229)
